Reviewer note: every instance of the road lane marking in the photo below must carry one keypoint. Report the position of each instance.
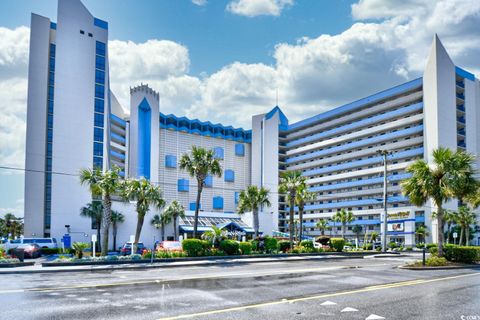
(196, 277)
(374, 317)
(349, 309)
(321, 296)
(328, 303)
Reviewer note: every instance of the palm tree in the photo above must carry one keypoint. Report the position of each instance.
(440, 181)
(94, 211)
(117, 218)
(322, 225)
(357, 229)
(373, 236)
(145, 195)
(464, 218)
(303, 196)
(449, 217)
(199, 164)
(344, 217)
(422, 233)
(289, 184)
(252, 199)
(103, 184)
(159, 221)
(175, 210)
(215, 236)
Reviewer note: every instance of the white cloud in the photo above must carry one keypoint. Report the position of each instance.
(200, 2)
(254, 8)
(17, 210)
(14, 46)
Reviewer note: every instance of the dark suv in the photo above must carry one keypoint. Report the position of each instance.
(127, 248)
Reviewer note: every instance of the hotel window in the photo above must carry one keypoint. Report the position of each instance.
(229, 175)
(218, 152)
(183, 185)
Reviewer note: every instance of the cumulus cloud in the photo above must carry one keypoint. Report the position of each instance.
(254, 8)
(200, 2)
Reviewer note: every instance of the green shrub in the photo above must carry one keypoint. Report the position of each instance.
(430, 246)
(392, 245)
(419, 245)
(368, 246)
(271, 244)
(245, 248)
(408, 248)
(435, 261)
(47, 251)
(378, 248)
(337, 244)
(462, 254)
(307, 244)
(79, 247)
(254, 244)
(283, 245)
(196, 247)
(230, 247)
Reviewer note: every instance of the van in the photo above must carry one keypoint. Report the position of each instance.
(42, 242)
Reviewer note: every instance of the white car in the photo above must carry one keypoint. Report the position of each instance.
(42, 242)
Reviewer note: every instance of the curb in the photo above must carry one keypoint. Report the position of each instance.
(466, 266)
(167, 265)
(17, 264)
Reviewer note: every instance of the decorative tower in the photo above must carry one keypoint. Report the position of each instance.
(144, 132)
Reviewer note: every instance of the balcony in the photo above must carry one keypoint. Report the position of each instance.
(461, 107)
(460, 84)
(461, 132)
(461, 119)
(460, 96)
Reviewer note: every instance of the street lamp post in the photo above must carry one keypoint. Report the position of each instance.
(384, 154)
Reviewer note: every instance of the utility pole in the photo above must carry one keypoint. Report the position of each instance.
(384, 153)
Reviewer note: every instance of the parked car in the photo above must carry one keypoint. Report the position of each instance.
(42, 242)
(31, 250)
(126, 249)
(169, 246)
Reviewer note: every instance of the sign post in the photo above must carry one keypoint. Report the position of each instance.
(94, 241)
(455, 235)
(132, 240)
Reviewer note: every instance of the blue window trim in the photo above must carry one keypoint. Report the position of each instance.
(358, 124)
(219, 153)
(368, 161)
(144, 138)
(170, 161)
(240, 149)
(357, 104)
(209, 181)
(237, 197)
(183, 185)
(356, 144)
(229, 175)
(192, 206)
(53, 25)
(100, 23)
(217, 203)
(357, 183)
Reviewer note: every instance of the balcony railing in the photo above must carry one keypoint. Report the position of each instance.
(461, 96)
(460, 84)
(461, 107)
(461, 119)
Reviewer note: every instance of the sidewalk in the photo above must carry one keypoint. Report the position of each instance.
(37, 268)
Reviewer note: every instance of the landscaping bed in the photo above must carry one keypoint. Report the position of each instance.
(138, 259)
(13, 263)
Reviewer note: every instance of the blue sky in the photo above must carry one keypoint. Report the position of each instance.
(224, 60)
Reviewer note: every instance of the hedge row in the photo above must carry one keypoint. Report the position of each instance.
(454, 253)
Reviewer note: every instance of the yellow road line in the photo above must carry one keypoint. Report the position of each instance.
(316, 297)
(199, 277)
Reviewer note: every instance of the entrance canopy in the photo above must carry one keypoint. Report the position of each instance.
(234, 226)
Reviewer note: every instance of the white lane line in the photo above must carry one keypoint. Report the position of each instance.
(374, 317)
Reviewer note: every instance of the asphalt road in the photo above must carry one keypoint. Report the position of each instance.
(330, 289)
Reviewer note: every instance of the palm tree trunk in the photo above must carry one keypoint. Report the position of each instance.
(343, 230)
(138, 231)
(300, 222)
(440, 229)
(114, 234)
(467, 235)
(448, 232)
(99, 247)
(461, 236)
(163, 232)
(175, 236)
(292, 204)
(107, 216)
(255, 222)
(197, 205)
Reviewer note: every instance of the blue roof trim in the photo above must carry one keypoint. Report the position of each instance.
(208, 129)
(465, 74)
(357, 104)
(283, 119)
(100, 23)
(53, 25)
(352, 203)
(356, 144)
(357, 124)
